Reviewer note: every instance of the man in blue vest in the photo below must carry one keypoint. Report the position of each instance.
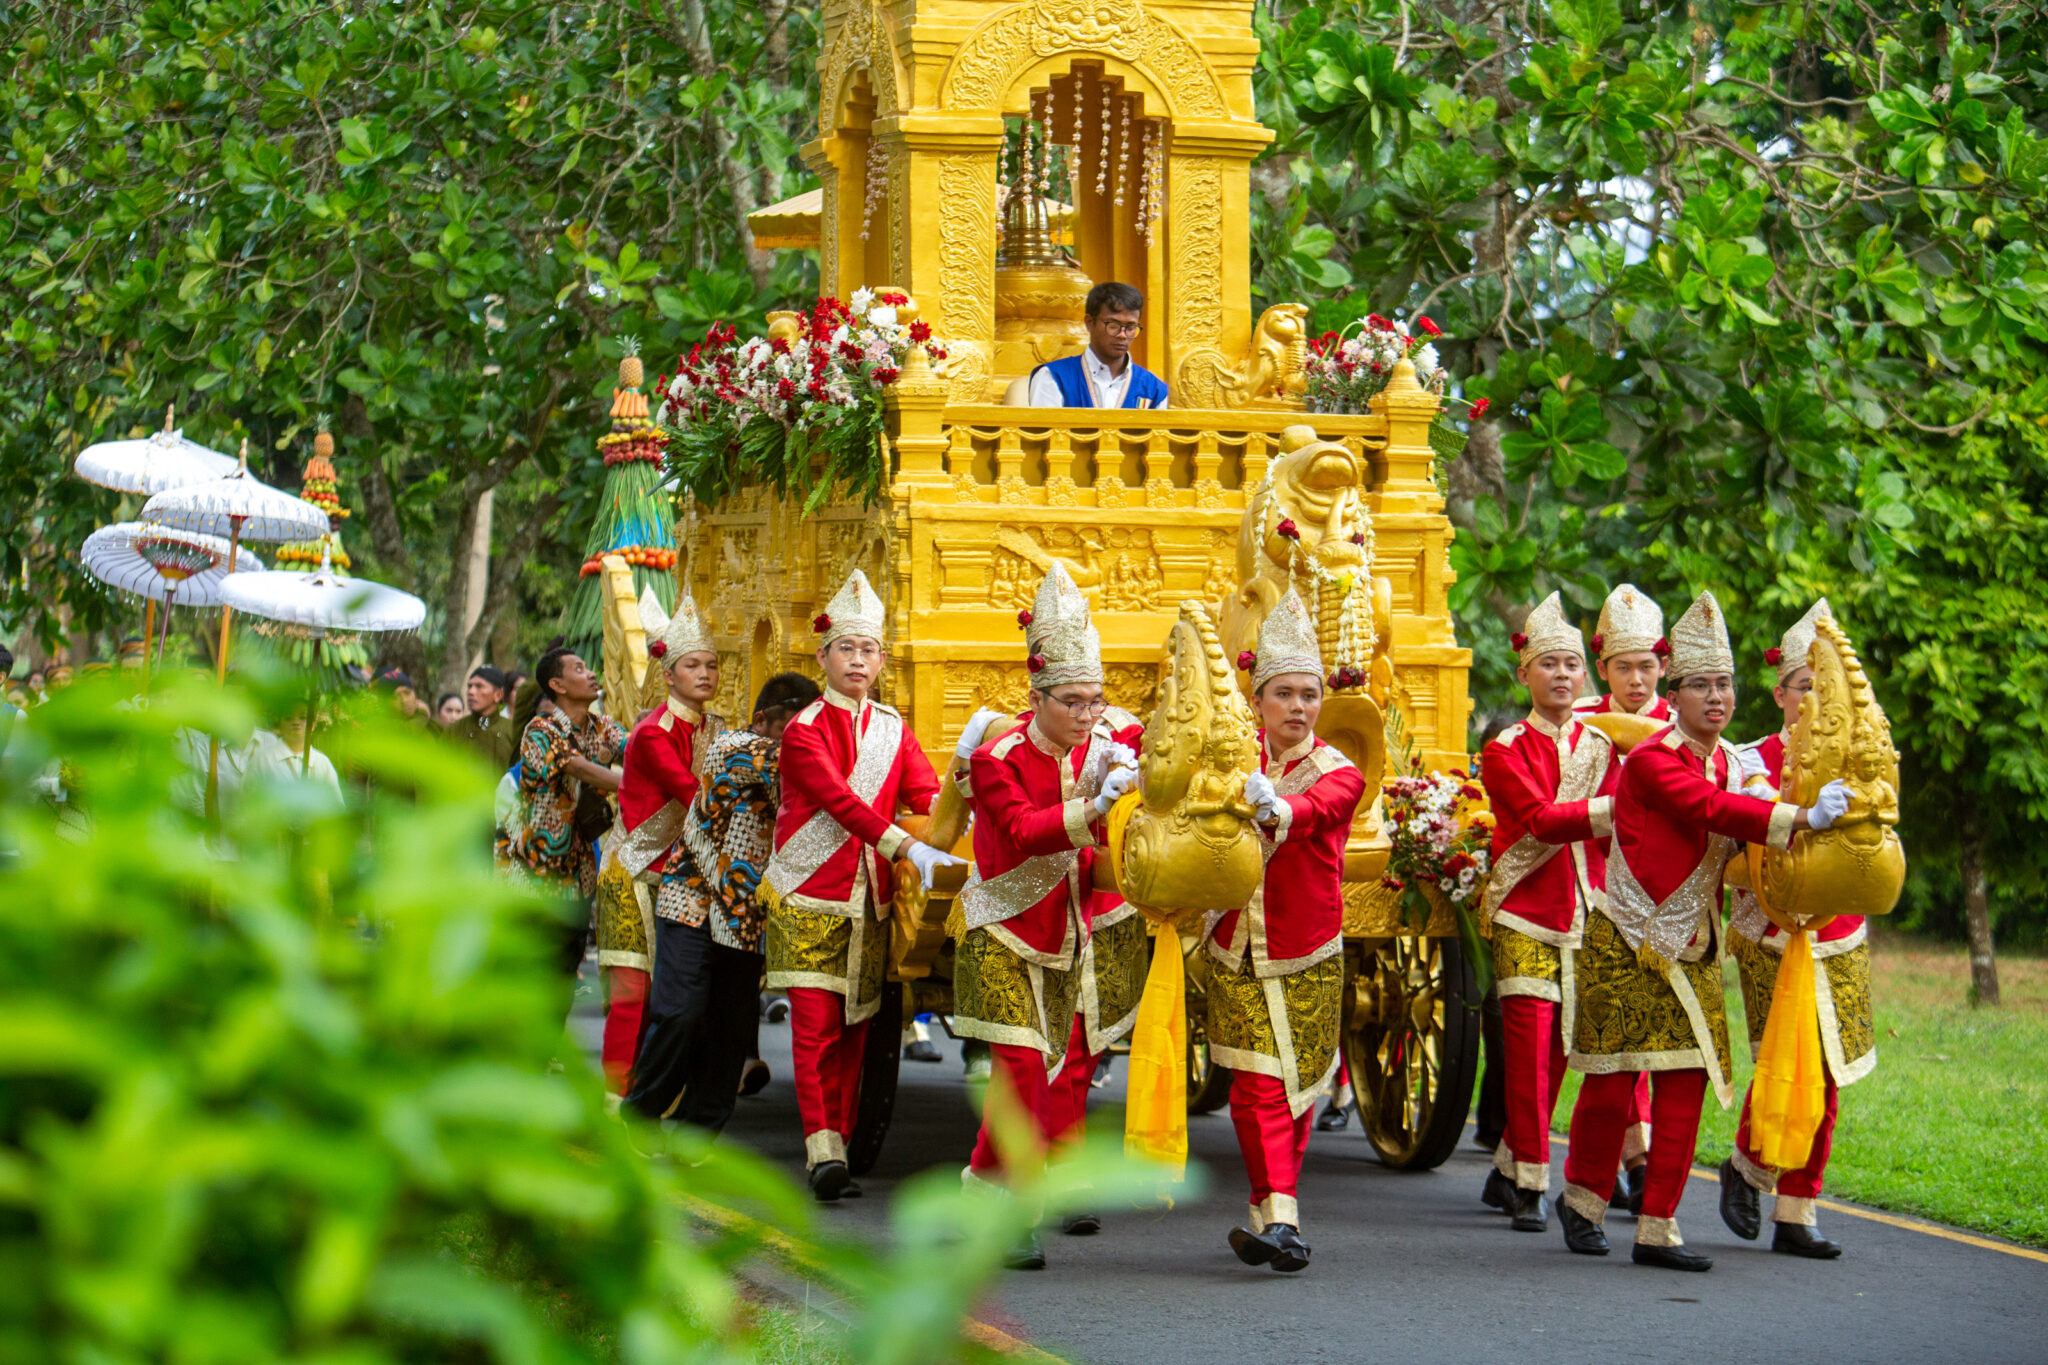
(1104, 375)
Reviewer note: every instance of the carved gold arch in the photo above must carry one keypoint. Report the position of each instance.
(987, 66)
(864, 42)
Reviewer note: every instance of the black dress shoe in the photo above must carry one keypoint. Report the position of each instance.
(1293, 1253)
(755, 1078)
(1254, 1248)
(1740, 1207)
(1637, 1180)
(852, 1190)
(1797, 1239)
(1082, 1224)
(1531, 1211)
(1619, 1199)
(1581, 1234)
(919, 1050)
(1499, 1192)
(829, 1180)
(1027, 1254)
(774, 1008)
(1672, 1258)
(1333, 1119)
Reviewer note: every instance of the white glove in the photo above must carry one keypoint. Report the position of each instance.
(1829, 806)
(1258, 789)
(1114, 784)
(928, 860)
(977, 726)
(1118, 756)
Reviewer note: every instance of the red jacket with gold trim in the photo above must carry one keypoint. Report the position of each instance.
(1769, 755)
(1034, 841)
(1296, 919)
(821, 751)
(1672, 799)
(659, 771)
(1522, 769)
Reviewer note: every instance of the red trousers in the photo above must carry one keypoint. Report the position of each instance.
(1273, 1141)
(1635, 1143)
(1535, 1071)
(827, 1051)
(1605, 1108)
(1017, 1095)
(1805, 1182)
(1066, 1103)
(625, 1003)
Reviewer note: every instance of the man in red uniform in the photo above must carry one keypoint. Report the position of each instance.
(848, 762)
(1038, 793)
(1551, 782)
(1276, 977)
(660, 780)
(1648, 972)
(1841, 979)
(1629, 651)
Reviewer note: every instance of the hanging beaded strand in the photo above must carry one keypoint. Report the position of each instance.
(1123, 152)
(1102, 164)
(1155, 175)
(876, 173)
(1145, 184)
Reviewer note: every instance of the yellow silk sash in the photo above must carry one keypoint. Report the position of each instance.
(1788, 1098)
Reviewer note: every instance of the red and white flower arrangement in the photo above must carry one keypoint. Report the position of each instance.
(1441, 832)
(1345, 369)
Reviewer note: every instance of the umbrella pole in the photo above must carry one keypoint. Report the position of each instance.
(312, 695)
(148, 634)
(221, 677)
(163, 641)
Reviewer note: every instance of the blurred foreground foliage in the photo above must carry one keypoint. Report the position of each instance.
(299, 1089)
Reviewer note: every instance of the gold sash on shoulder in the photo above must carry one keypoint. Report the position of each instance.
(811, 847)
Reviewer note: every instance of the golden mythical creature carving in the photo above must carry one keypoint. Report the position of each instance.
(1190, 844)
(1858, 866)
(631, 688)
(1307, 528)
(1273, 374)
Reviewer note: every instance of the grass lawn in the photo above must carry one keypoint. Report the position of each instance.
(1953, 1123)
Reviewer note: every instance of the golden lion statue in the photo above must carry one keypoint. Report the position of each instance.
(1188, 844)
(1858, 866)
(1307, 528)
(1274, 374)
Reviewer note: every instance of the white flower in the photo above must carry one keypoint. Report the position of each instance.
(1425, 359)
(885, 316)
(860, 301)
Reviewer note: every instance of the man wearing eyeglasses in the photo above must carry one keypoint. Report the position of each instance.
(1104, 375)
(1039, 794)
(1648, 973)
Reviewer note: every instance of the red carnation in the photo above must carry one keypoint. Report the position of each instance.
(1774, 656)
(1470, 792)
(1662, 649)
(1288, 528)
(821, 623)
(1023, 618)
(1479, 408)
(892, 298)
(656, 650)
(1599, 643)
(785, 388)
(1426, 325)
(1374, 322)
(920, 331)
(1519, 641)
(1036, 663)
(1335, 680)
(779, 345)
(885, 377)
(1246, 661)
(1358, 538)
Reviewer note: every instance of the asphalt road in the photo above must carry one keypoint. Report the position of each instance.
(1413, 1267)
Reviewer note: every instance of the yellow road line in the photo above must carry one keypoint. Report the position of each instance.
(973, 1328)
(1911, 1225)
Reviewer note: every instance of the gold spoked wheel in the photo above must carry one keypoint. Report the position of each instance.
(1411, 1041)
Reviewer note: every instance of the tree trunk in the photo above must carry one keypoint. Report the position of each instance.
(1977, 905)
(735, 167)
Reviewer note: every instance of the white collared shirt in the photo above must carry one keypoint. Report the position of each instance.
(1107, 389)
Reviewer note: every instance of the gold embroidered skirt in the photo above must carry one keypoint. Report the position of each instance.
(998, 997)
(1841, 987)
(622, 927)
(1112, 978)
(1284, 1026)
(1526, 966)
(1629, 1018)
(836, 953)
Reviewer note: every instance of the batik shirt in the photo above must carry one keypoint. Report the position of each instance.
(714, 872)
(545, 840)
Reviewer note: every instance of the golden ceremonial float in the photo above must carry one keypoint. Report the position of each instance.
(991, 161)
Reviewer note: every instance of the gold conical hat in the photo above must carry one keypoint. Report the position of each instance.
(1547, 632)
(683, 634)
(1699, 642)
(1798, 641)
(1630, 622)
(1287, 642)
(853, 610)
(1062, 640)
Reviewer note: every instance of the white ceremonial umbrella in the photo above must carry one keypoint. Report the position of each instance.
(160, 461)
(322, 602)
(161, 564)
